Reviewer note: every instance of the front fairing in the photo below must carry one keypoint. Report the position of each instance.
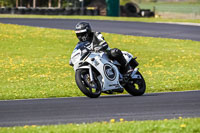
(79, 51)
(109, 72)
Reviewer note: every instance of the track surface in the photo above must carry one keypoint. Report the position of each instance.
(77, 110)
(120, 27)
(69, 110)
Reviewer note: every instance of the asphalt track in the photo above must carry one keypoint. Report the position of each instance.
(162, 30)
(153, 106)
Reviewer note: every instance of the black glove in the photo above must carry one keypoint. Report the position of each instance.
(97, 49)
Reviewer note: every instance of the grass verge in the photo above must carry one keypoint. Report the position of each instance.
(137, 19)
(174, 7)
(190, 125)
(34, 62)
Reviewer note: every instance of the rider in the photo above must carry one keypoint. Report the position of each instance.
(84, 33)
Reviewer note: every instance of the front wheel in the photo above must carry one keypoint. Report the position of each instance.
(90, 89)
(136, 87)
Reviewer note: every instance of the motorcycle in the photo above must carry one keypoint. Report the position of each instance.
(95, 73)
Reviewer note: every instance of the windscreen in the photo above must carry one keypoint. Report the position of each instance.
(81, 45)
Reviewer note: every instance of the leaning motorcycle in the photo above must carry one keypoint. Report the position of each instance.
(95, 73)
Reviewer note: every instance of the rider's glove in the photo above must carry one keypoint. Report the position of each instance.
(97, 49)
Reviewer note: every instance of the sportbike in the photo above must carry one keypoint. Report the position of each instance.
(95, 73)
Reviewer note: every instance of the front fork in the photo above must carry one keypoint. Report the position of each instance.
(90, 73)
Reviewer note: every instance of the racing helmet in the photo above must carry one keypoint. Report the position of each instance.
(83, 31)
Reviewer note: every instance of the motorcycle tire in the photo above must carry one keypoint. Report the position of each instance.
(136, 87)
(90, 89)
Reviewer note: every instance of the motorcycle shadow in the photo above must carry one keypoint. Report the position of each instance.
(127, 95)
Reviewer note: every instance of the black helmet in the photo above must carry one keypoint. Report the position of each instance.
(83, 31)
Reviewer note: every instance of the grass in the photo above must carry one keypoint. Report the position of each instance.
(138, 19)
(34, 62)
(174, 7)
(190, 125)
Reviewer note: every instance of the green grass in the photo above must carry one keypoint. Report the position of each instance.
(138, 19)
(174, 7)
(161, 126)
(34, 62)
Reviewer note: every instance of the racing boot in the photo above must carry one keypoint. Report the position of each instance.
(127, 70)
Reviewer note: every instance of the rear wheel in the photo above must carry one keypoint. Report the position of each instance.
(89, 88)
(136, 87)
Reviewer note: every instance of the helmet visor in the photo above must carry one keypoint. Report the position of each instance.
(82, 36)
